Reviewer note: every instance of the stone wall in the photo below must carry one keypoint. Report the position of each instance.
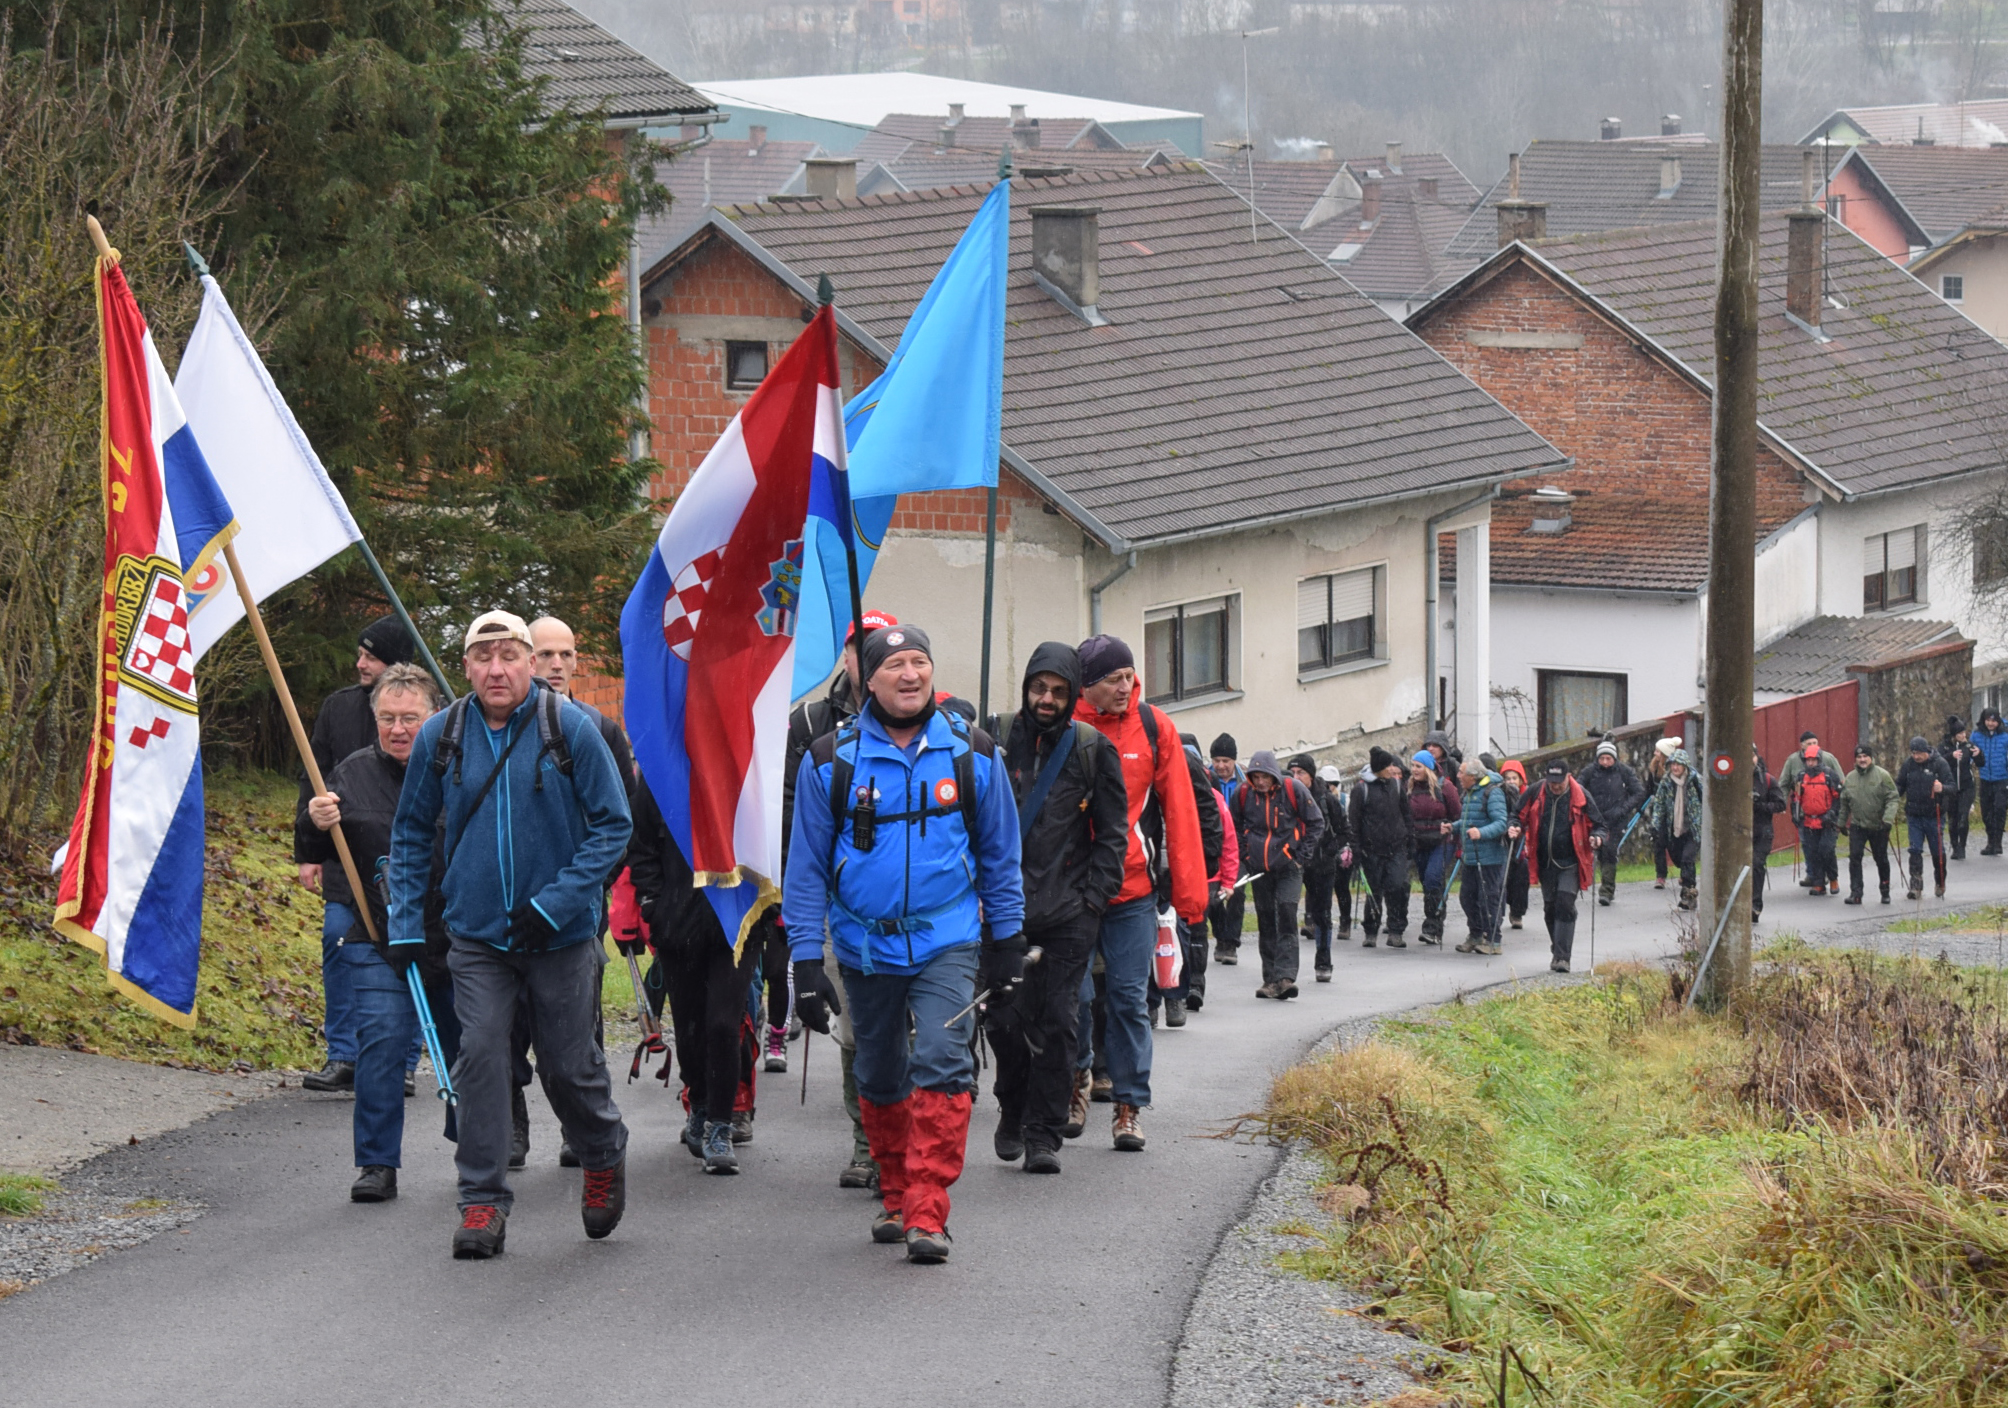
(1912, 694)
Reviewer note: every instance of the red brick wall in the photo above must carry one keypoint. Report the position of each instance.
(1633, 425)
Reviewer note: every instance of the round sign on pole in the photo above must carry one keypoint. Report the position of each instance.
(1723, 764)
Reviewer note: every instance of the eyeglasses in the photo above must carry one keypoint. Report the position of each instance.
(399, 720)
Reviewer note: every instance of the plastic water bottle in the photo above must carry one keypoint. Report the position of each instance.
(1169, 961)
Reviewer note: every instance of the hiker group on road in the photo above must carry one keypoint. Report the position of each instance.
(1054, 883)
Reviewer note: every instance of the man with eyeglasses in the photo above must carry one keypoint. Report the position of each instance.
(362, 795)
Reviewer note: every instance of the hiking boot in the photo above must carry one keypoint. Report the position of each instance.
(1396, 941)
(336, 1075)
(1285, 988)
(1323, 975)
(928, 1248)
(1368, 938)
(1425, 937)
(858, 1173)
(1938, 890)
(1519, 921)
(693, 1133)
(1470, 945)
(1885, 896)
(888, 1227)
(1153, 1016)
(1226, 957)
(1659, 884)
(1558, 965)
(1605, 899)
(742, 1126)
(1039, 1159)
(1855, 898)
(603, 1198)
(1127, 1127)
(519, 1129)
(568, 1157)
(1195, 1000)
(1916, 891)
(1103, 1090)
(1686, 898)
(777, 1051)
(1344, 934)
(1009, 1140)
(410, 1084)
(1487, 950)
(719, 1155)
(1077, 1107)
(480, 1235)
(1174, 1012)
(378, 1184)
(1266, 990)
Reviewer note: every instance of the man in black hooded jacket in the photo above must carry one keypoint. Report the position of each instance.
(1074, 835)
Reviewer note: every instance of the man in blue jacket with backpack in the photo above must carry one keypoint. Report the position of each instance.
(536, 817)
(906, 846)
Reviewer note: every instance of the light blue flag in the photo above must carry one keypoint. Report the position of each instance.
(932, 420)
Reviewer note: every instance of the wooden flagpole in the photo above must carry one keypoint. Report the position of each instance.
(299, 735)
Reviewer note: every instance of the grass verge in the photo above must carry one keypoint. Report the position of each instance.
(21, 1193)
(1647, 1206)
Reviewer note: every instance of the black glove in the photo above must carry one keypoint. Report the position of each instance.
(1000, 966)
(529, 930)
(815, 995)
(402, 956)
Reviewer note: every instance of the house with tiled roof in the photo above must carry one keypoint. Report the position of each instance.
(585, 67)
(1385, 222)
(1213, 446)
(1940, 211)
(1982, 123)
(1879, 417)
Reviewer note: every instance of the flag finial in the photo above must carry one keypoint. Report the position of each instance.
(826, 292)
(195, 261)
(105, 250)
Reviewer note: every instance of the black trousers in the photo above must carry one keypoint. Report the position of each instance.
(1517, 885)
(1993, 810)
(1681, 853)
(1862, 839)
(1558, 907)
(1319, 882)
(1760, 865)
(1958, 819)
(1480, 895)
(707, 1010)
(1387, 893)
(1342, 891)
(1036, 1038)
(774, 968)
(1225, 916)
(1276, 894)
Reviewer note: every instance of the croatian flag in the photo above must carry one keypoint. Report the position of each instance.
(708, 634)
(131, 883)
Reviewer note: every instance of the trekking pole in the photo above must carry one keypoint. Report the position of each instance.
(431, 1033)
(1032, 956)
(1499, 909)
(651, 1042)
(808, 1032)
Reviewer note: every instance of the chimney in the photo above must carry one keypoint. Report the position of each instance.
(1025, 135)
(1427, 186)
(1066, 251)
(955, 114)
(1326, 152)
(756, 138)
(1017, 114)
(1370, 198)
(1394, 157)
(1519, 219)
(948, 135)
(1669, 125)
(832, 177)
(1612, 130)
(1805, 252)
(1669, 177)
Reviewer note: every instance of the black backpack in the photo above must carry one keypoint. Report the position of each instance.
(550, 735)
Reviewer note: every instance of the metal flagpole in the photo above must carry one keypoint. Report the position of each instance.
(197, 263)
(826, 294)
(990, 541)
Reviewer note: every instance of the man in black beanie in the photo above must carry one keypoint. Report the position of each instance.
(1225, 914)
(344, 724)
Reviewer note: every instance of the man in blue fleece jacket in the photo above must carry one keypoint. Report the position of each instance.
(920, 887)
(536, 818)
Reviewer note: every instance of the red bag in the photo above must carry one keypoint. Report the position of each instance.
(1816, 797)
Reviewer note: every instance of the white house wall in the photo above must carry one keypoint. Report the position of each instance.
(1788, 580)
(1653, 641)
(1946, 592)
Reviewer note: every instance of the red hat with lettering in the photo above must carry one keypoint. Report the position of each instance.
(874, 621)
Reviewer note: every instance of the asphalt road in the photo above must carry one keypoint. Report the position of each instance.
(761, 1288)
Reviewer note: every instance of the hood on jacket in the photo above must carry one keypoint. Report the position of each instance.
(1052, 658)
(1515, 767)
(1438, 738)
(1683, 757)
(1265, 761)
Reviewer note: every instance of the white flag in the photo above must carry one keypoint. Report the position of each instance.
(290, 517)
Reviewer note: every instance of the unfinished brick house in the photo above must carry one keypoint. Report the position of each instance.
(1878, 419)
(1213, 446)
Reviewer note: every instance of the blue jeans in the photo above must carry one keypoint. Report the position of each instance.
(886, 1006)
(386, 1026)
(1925, 830)
(339, 1025)
(1128, 935)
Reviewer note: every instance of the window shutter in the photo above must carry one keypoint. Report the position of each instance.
(1872, 556)
(1902, 549)
(1353, 595)
(1313, 595)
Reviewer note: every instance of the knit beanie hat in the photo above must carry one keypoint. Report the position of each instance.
(1102, 656)
(1607, 748)
(1426, 758)
(388, 640)
(1224, 747)
(1305, 761)
(1666, 746)
(888, 641)
(1379, 760)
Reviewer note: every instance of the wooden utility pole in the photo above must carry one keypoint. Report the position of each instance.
(1732, 511)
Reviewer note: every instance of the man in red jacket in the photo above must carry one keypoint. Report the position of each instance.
(1564, 832)
(1165, 860)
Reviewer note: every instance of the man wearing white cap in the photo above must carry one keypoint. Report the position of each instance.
(535, 818)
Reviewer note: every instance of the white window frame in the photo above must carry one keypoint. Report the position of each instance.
(1378, 655)
(1920, 541)
(1952, 287)
(1178, 696)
